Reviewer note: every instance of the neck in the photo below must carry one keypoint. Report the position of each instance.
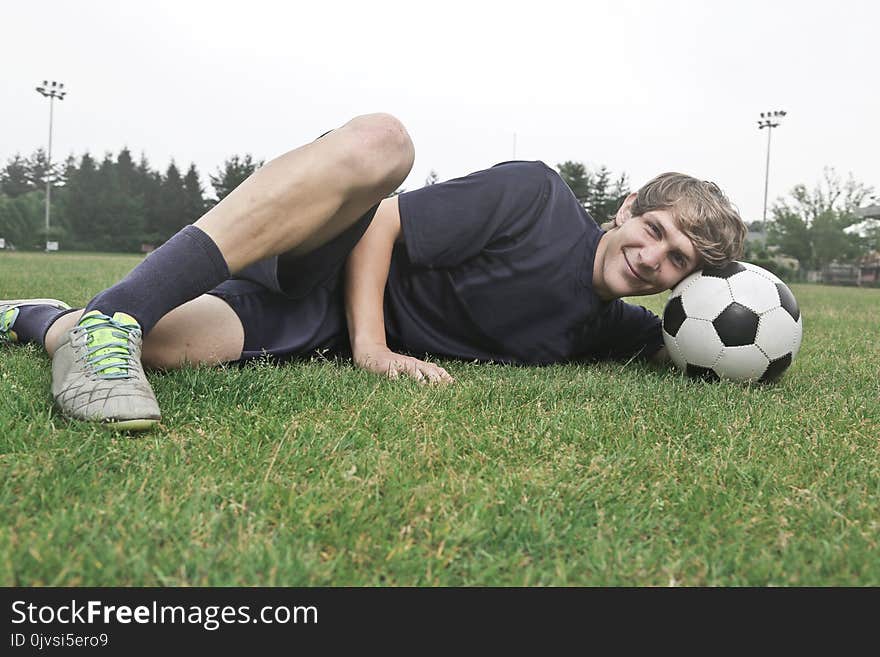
(599, 286)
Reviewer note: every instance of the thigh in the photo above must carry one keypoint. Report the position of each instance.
(299, 274)
(282, 328)
(205, 330)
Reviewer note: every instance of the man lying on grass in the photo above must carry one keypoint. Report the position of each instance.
(308, 254)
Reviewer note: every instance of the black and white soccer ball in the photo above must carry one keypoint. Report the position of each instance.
(739, 322)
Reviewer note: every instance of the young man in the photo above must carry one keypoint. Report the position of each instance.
(309, 253)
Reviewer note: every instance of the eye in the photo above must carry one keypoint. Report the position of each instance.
(653, 229)
(679, 260)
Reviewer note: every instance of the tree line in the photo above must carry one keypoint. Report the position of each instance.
(115, 204)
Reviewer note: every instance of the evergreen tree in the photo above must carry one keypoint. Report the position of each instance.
(67, 169)
(14, 178)
(39, 170)
(231, 174)
(605, 198)
(599, 196)
(194, 195)
(149, 186)
(432, 178)
(22, 220)
(119, 218)
(79, 202)
(171, 205)
(127, 173)
(577, 177)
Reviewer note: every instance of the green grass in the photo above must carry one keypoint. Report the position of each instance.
(319, 474)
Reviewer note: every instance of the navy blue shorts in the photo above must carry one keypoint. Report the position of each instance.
(294, 306)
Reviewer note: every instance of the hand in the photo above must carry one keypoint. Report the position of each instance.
(379, 359)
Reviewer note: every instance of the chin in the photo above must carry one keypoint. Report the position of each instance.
(626, 289)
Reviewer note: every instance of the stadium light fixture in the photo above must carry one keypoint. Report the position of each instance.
(50, 90)
(769, 120)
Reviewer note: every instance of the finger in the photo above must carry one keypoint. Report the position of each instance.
(432, 374)
(445, 376)
(423, 372)
(437, 375)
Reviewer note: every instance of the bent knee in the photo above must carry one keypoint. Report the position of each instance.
(382, 152)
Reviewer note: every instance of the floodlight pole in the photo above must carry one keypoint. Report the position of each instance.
(50, 90)
(769, 120)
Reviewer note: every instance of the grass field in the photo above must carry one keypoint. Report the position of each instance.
(319, 474)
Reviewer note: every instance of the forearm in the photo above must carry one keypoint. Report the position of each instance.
(366, 274)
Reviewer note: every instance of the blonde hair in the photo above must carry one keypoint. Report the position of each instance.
(702, 212)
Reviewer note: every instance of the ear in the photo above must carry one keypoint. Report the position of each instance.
(625, 211)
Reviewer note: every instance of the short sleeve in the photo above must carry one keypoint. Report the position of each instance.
(625, 331)
(450, 222)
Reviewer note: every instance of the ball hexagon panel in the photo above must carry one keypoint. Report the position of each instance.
(742, 363)
(754, 291)
(736, 325)
(706, 298)
(698, 342)
(724, 272)
(778, 334)
(685, 282)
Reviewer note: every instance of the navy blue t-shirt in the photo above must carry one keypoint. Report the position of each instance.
(498, 266)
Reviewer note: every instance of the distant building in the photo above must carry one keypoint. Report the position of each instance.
(870, 217)
(869, 269)
(870, 212)
(757, 235)
(837, 273)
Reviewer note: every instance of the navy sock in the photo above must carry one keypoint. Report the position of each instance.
(186, 266)
(34, 320)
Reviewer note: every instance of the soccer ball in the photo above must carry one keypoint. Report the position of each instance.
(739, 322)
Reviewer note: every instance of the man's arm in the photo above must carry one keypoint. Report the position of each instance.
(366, 275)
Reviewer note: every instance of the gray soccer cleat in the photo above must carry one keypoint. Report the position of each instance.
(97, 373)
(9, 313)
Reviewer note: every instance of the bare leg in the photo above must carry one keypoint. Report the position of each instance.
(203, 331)
(308, 196)
(295, 203)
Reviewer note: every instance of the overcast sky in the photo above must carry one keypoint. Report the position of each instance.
(642, 87)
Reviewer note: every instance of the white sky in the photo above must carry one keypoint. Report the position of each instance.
(642, 87)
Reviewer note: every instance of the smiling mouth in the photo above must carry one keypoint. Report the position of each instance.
(634, 272)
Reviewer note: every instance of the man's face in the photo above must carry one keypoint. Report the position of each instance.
(643, 255)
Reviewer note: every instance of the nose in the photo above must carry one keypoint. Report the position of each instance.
(652, 256)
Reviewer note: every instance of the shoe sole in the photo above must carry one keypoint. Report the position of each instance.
(55, 303)
(132, 425)
(35, 302)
